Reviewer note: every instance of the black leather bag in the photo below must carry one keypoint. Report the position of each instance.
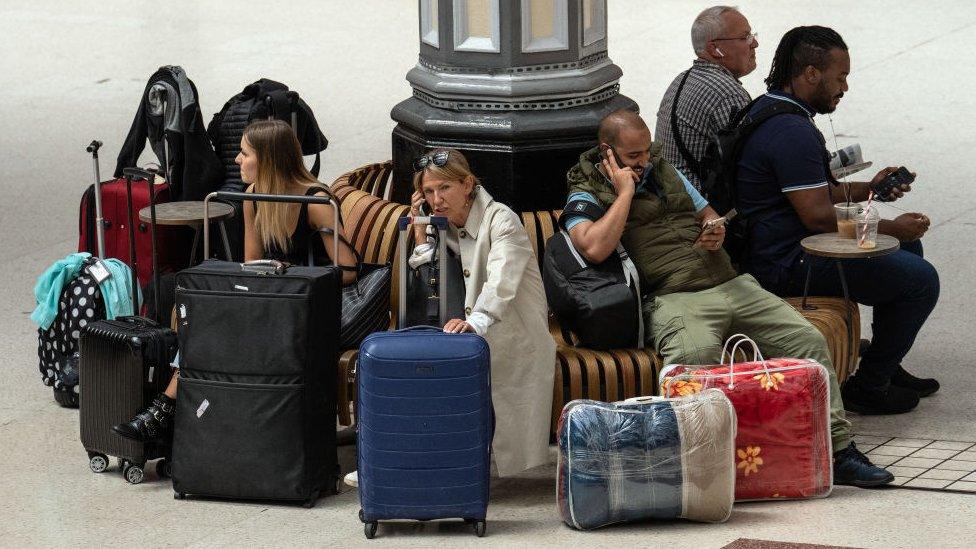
(423, 299)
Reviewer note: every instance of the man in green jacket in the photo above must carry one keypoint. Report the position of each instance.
(694, 299)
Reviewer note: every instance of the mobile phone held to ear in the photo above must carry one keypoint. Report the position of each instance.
(424, 209)
(603, 150)
(897, 178)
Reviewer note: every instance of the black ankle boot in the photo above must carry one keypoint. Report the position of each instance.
(151, 424)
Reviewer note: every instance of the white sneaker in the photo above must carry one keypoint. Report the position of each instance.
(352, 479)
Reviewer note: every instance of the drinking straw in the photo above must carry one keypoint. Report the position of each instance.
(867, 210)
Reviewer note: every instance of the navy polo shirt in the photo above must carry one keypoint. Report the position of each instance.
(785, 154)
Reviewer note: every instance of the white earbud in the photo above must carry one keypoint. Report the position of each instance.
(718, 52)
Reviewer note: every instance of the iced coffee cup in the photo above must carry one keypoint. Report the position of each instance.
(846, 214)
(866, 229)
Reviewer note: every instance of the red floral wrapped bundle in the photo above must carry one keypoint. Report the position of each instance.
(783, 448)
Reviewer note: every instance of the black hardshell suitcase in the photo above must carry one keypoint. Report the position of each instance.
(124, 363)
(256, 411)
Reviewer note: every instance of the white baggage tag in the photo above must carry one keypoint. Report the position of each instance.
(203, 407)
(99, 271)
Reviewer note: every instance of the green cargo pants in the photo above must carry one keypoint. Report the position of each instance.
(691, 327)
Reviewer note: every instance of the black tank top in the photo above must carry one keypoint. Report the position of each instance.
(304, 235)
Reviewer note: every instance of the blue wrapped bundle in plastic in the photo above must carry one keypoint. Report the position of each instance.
(646, 458)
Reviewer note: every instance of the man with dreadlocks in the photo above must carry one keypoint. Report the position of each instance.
(785, 191)
(626, 192)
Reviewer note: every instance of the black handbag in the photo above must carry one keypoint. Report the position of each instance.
(600, 303)
(423, 300)
(365, 304)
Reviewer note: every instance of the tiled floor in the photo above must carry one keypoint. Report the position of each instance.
(924, 464)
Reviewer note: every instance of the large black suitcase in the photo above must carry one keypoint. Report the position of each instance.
(124, 364)
(256, 411)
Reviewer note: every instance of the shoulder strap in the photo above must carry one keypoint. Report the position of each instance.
(690, 160)
(583, 208)
(633, 279)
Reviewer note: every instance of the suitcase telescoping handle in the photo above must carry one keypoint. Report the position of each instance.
(258, 197)
(99, 220)
(150, 177)
(440, 224)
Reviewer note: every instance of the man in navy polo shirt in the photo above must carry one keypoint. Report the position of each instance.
(785, 193)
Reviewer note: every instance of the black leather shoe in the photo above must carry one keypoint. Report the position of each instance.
(923, 386)
(874, 402)
(853, 468)
(151, 424)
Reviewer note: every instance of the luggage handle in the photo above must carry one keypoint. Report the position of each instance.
(421, 328)
(265, 267)
(99, 219)
(440, 223)
(150, 177)
(742, 339)
(259, 197)
(643, 400)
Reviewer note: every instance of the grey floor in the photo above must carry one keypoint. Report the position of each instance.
(74, 71)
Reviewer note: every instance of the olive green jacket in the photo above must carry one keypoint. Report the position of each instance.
(660, 230)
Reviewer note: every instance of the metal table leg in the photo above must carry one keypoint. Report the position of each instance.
(196, 242)
(806, 286)
(850, 317)
(223, 235)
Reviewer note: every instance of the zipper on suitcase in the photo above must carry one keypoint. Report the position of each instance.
(240, 293)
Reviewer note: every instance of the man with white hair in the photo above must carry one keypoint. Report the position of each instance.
(703, 99)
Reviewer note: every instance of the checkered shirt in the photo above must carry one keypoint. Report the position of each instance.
(708, 101)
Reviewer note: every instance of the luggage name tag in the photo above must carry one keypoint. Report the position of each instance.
(203, 408)
(433, 306)
(99, 271)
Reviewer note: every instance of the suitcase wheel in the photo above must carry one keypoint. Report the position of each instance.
(369, 529)
(479, 528)
(98, 462)
(179, 495)
(133, 473)
(66, 399)
(164, 468)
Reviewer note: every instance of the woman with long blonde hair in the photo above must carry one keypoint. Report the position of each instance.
(271, 162)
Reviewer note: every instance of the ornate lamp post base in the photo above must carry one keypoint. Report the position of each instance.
(521, 157)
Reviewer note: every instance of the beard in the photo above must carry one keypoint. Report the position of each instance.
(823, 100)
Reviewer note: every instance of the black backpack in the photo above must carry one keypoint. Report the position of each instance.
(599, 303)
(264, 99)
(719, 165)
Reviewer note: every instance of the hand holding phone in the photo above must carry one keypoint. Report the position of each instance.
(712, 225)
(894, 184)
(621, 176)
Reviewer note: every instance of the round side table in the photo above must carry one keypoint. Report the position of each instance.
(836, 247)
(190, 214)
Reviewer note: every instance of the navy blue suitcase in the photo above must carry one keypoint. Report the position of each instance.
(425, 427)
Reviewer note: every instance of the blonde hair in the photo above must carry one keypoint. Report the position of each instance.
(456, 169)
(279, 165)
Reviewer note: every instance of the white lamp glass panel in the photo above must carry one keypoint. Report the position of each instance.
(476, 25)
(428, 22)
(594, 21)
(545, 25)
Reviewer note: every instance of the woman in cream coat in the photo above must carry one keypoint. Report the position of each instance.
(504, 302)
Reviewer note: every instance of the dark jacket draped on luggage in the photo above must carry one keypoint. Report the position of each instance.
(194, 168)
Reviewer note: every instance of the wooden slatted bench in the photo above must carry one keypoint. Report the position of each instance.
(370, 224)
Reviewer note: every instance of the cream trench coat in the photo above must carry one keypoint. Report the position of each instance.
(502, 282)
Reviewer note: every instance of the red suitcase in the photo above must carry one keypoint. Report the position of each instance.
(783, 445)
(171, 242)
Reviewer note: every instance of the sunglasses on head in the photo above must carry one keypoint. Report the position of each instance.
(437, 159)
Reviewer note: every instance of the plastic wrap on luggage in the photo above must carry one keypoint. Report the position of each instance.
(646, 458)
(783, 447)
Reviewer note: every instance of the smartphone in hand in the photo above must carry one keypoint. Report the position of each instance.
(712, 225)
